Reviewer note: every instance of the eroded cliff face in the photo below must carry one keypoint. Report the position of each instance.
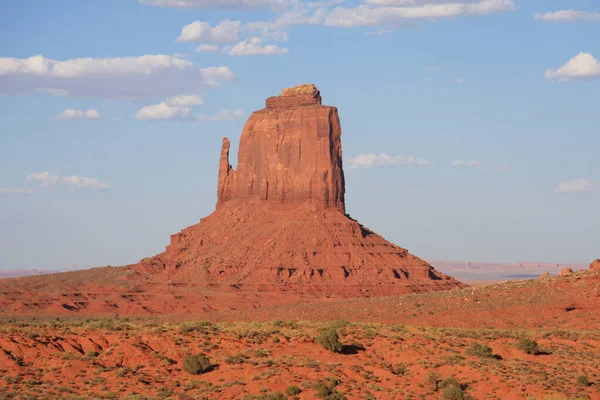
(289, 152)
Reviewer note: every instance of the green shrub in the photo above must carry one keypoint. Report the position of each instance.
(433, 379)
(272, 396)
(449, 381)
(292, 390)
(529, 346)
(326, 390)
(197, 364)
(583, 381)
(479, 350)
(399, 369)
(453, 393)
(330, 340)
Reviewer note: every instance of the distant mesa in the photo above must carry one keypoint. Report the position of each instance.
(595, 266)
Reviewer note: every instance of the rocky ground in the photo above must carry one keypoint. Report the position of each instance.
(401, 347)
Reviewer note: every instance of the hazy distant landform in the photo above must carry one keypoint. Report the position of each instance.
(473, 271)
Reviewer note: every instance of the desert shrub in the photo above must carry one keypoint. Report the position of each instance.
(479, 350)
(529, 346)
(330, 340)
(453, 393)
(292, 390)
(399, 369)
(583, 381)
(339, 324)
(271, 396)
(433, 379)
(449, 381)
(326, 389)
(238, 358)
(196, 364)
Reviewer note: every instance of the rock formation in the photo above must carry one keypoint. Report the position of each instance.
(595, 266)
(280, 223)
(566, 271)
(290, 152)
(544, 275)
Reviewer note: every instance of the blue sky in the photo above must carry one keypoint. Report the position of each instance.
(470, 127)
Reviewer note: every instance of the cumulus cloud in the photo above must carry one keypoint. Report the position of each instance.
(468, 164)
(208, 48)
(393, 12)
(70, 113)
(82, 182)
(217, 4)
(173, 108)
(576, 185)
(582, 66)
(223, 115)
(121, 77)
(188, 100)
(163, 111)
(226, 32)
(568, 16)
(15, 192)
(460, 81)
(383, 160)
(254, 47)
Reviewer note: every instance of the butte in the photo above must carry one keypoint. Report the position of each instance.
(279, 235)
(280, 223)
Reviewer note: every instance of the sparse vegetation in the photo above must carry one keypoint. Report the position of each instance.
(330, 340)
(529, 346)
(292, 390)
(479, 350)
(196, 364)
(583, 381)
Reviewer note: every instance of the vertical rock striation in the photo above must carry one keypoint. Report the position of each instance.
(289, 152)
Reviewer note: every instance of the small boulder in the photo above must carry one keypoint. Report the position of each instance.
(595, 266)
(566, 271)
(544, 275)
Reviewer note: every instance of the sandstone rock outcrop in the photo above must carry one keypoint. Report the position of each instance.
(544, 275)
(280, 223)
(595, 266)
(566, 271)
(289, 152)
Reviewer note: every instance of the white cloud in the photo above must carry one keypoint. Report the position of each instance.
(82, 182)
(223, 115)
(268, 30)
(208, 48)
(121, 77)
(163, 111)
(255, 47)
(70, 113)
(217, 4)
(582, 66)
(15, 192)
(383, 160)
(468, 164)
(226, 32)
(432, 68)
(402, 11)
(189, 100)
(576, 185)
(460, 81)
(568, 16)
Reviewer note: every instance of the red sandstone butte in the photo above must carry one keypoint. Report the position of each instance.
(280, 222)
(595, 266)
(289, 152)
